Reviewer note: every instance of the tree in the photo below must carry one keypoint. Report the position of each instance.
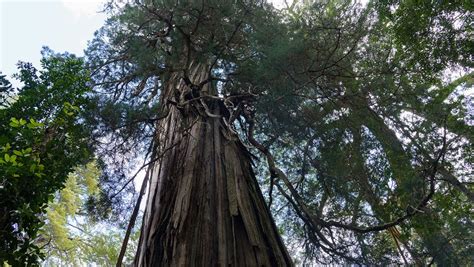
(196, 148)
(41, 140)
(359, 139)
(70, 235)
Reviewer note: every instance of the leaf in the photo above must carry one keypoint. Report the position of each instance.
(18, 153)
(26, 152)
(14, 123)
(34, 124)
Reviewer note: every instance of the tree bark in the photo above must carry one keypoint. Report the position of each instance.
(204, 205)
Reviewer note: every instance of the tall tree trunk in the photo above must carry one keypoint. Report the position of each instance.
(204, 205)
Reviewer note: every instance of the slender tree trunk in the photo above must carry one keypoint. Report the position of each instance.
(362, 176)
(204, 205)
(426, 224)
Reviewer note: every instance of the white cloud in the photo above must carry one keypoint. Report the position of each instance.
(83, 8)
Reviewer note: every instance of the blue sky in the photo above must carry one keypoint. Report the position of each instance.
(63, 25)
(27, 26)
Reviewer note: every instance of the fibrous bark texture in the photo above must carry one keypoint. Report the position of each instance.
(204, 205)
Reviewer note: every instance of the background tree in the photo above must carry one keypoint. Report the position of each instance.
(41, 140)
(359, 145)
(70, 235)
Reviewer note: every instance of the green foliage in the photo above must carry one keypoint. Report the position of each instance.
(5, 91)
(434, 33)
(350, 99)
(70, 236)
(41, 140)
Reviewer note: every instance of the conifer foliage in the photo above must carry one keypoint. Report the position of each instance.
(320, 132)
(362, 139)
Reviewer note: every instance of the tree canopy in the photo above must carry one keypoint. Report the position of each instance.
(359, 117)
(41, 140)
(358, 113)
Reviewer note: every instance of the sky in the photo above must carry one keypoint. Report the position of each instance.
(28, 25)
(62, 25)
